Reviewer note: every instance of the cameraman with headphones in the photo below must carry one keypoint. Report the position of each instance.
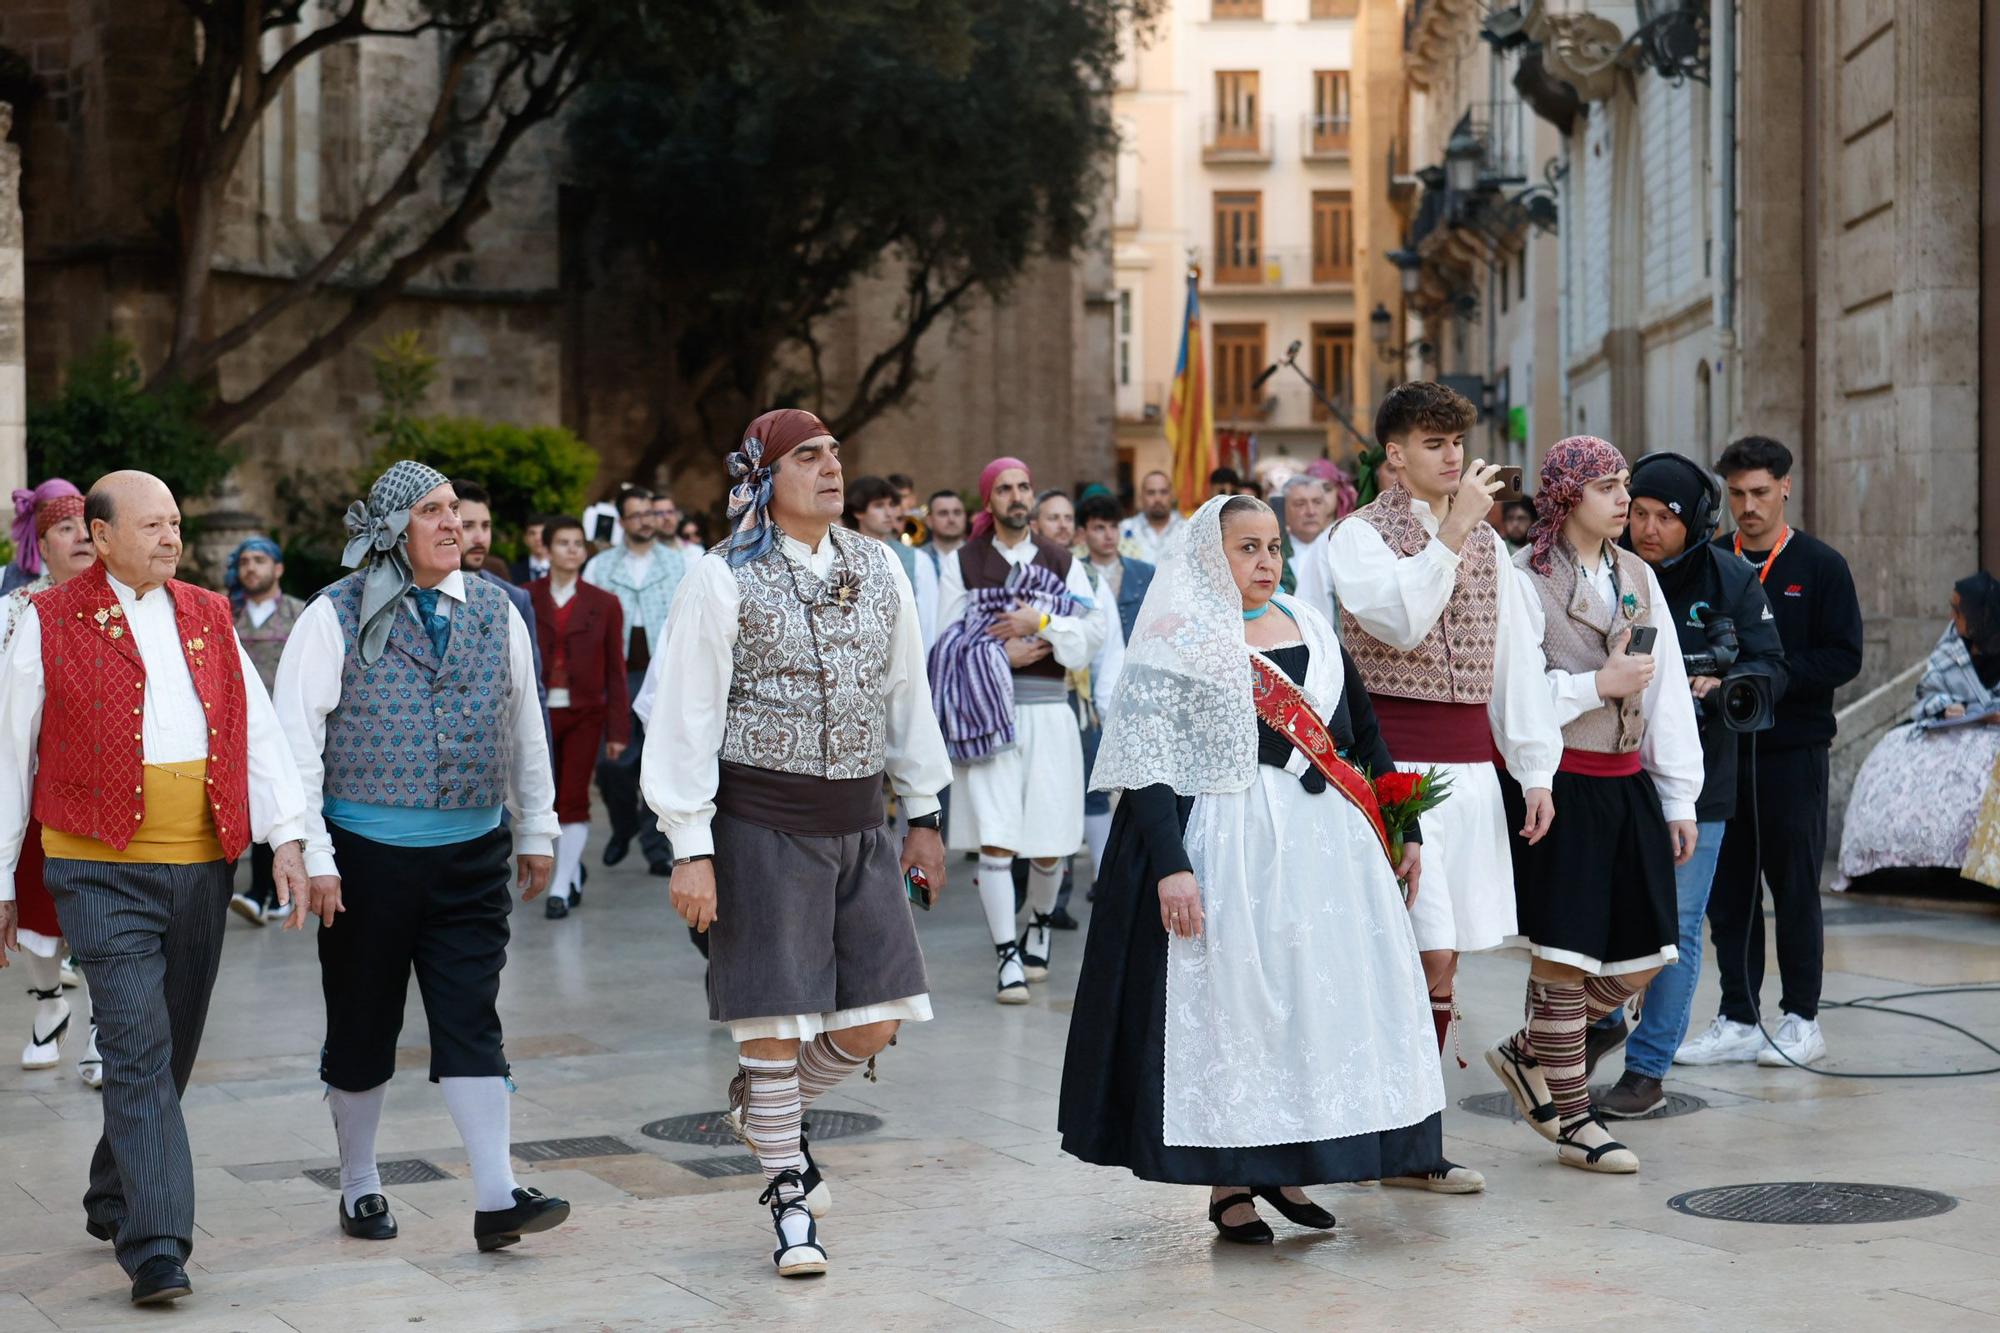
(1736, 670)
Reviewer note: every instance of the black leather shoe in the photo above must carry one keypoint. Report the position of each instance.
(1248, 1233)
(556, 909)
(1060, 919)
(1599, 1042)
(664, 869)
(100, 1230)
(370, 1220)
(159, 1280)
(532, 1211)
(1307, 1214)
(615, 849)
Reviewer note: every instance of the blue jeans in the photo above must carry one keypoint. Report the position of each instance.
(1663, 1019)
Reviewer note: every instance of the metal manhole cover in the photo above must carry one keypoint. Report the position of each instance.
(562, 1150)
(1812, 1203)
(402, 1171)
(714, 1168)
(711, 1129)
(1500, 1105)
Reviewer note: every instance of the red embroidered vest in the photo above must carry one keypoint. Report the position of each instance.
(89, 774)
(1454, 663)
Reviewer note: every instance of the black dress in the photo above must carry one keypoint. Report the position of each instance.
(1112, 1107)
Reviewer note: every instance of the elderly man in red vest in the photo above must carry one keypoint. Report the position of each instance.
(140, 829)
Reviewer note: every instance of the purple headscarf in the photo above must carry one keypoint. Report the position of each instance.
(28, 555)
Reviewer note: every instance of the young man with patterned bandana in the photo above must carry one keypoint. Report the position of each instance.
(408, 691)
(1437, 622)
(797, 662)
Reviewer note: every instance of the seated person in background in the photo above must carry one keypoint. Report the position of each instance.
(1918, 794)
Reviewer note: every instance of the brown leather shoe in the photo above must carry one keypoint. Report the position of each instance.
(1633, 1096)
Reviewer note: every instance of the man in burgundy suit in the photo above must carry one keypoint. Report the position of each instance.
(140, 829)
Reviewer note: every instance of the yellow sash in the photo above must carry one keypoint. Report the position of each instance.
(178, 830)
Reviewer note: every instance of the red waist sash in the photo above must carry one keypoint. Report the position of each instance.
(1423, 731)
(1596, 764)
(1286, 712)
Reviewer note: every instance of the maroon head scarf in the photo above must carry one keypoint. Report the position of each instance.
(982, 522)
(1569, 466)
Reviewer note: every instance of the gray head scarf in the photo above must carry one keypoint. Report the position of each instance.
(376, 532)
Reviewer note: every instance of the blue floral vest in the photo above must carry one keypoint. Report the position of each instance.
(415, 732)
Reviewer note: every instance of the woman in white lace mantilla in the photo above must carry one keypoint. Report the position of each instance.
(1252, 1013)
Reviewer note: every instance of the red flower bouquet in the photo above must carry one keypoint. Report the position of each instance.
(1403, 797)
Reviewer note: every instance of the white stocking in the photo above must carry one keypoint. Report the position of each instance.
(996, 895)
(356, 1117)
(1096, 832)
(479, 1108)
(569, 856)
(1043, 886)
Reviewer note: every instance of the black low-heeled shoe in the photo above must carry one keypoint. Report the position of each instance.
(370, 1219)
(1247, 1233)
(532, 1211)
(1307, 1214)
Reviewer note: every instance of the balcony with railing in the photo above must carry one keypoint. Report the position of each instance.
(1252, 270)
(1323, 138)
(1249, 139)
(1142, 402)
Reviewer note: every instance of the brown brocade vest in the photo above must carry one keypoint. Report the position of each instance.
(1576, 637)
(806, 689)
(981, 565)
(1454, 663)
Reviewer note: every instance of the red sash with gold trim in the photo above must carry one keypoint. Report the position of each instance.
(1285, 710)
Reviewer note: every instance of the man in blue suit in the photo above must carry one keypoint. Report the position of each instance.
(1126, 580)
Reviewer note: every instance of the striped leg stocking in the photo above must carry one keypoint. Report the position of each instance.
(1605, 995)
(821, 1065)
(1556, 1023)
(767, 1098)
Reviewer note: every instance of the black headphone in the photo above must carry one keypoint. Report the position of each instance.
(1707, 510)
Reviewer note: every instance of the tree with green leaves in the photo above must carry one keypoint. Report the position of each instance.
(948, 143)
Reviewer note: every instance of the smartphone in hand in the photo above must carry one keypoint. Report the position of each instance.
(918, 886)
(1641, 644)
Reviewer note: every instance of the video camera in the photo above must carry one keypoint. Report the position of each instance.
(1744, 702)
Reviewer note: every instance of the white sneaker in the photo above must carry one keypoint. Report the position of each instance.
(274, 914)
(1725, 1042)
(45, 1031)
(90, 1065)
(1798, 1038)
(246, 907)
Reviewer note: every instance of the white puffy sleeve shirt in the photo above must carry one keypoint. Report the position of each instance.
(681, 765)
(1075, 639)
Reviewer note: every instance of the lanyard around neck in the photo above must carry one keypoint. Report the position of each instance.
(1784, 535)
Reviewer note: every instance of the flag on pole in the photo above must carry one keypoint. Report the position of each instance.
(1190, 412)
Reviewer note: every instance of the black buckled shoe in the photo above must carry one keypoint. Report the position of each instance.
(370, 1219)
(532, 1211)
(1246, 1233)
(1307, 1214)
(159, 1280)
(556, 909)
(615, 849)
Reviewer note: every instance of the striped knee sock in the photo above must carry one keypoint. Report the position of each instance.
(1555, 1029)
(821, 1065)
(770, 1107)
(1604, 995)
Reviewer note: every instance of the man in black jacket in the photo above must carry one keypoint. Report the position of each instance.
(1716, 603)
(1780, 822)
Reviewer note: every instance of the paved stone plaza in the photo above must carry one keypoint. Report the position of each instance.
(960, 1212)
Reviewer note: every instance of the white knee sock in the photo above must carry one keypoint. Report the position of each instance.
(1096, 832)
(479, 1108)
(996, 895)
(356, 1117)
(1043, 886)
(46, 974)
(569, 856)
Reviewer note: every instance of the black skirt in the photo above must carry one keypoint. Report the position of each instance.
(1112, 1110)
(1597, 892)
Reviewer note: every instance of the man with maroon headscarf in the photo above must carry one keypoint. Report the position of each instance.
(798, 669)
(1015, 613)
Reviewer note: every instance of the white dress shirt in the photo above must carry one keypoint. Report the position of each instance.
(1312, 584)
(1152, 541)
(1075, 639)
(681, 765)
(1399, 600)
(309, 676)
(260, 612)
(175, 725)
(1671, 747)
(926, 589)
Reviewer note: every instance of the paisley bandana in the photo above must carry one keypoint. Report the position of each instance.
(1570, 465)
(377, 529)
(766, 440)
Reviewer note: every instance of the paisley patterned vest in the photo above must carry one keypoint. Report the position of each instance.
(1577, 632)
(1454, 663)
(414, 731)
(806, 689)
(89, 775)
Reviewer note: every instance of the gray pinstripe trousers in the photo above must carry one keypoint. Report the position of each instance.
(149, 938)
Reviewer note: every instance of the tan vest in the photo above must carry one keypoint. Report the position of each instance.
(1577, 632)
(1454, 663)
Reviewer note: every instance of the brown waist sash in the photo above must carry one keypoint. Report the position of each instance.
(798, 803)
(1421, 731)
(1285, 710)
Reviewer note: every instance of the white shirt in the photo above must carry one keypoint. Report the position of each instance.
(309, 688)
(174, 726)
(1075, 639)
(681, 765)
(1152, 541)
(1671, 747)
(1399, 601)
(260, 612)
(1312, 582)
(926, 590)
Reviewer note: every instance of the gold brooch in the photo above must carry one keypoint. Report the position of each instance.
(117, 612)
(102, 615)
(117, 631)
(195, 645)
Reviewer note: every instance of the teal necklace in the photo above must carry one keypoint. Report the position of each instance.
(1252, 615)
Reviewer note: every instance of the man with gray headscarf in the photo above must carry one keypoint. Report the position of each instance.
(407, 692)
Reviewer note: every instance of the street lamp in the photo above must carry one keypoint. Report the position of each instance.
(1380, 325)
(1410, 264)
(1462, 155)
